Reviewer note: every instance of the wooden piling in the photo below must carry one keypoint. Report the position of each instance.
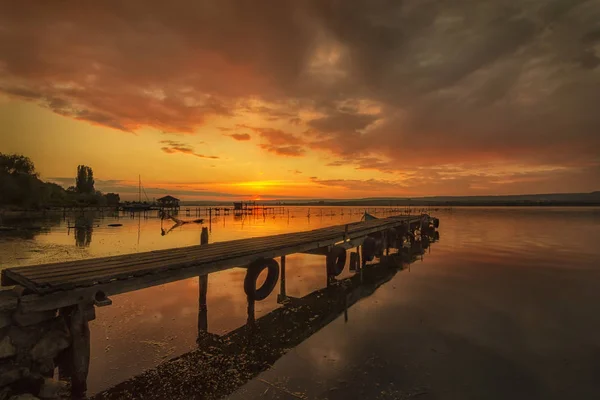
(202, 291)
(78, 355)
(282, 293)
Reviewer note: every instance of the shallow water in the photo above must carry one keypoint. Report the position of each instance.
(508, 296)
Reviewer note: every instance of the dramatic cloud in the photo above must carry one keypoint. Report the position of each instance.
(240, 136)
(172, 146)
(291, 151)
(279, 142)
(388, 86)
(368, 185)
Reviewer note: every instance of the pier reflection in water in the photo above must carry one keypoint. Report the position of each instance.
(223, 363)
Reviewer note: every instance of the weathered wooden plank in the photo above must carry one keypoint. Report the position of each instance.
(60, 299)
(125, 257)
(199, 254)
(253, 249)
(185, 258)
(116, 261)
(133, 271)
(73, 268)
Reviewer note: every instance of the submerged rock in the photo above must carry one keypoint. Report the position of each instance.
(52, 342)
(50, 345)
(7, 348)
(51, 389)
(24, 396)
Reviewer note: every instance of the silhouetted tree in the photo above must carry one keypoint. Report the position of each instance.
(112, 199)
(19, 185)
(84, 182)
(16, 164)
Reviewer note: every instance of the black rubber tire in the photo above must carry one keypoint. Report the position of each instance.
(392, 238)
(436, 223)
(336, 261)
(252, 274)
(369, 248)
(411, 237)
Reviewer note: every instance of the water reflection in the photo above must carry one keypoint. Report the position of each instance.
(82, 230)
(83, 236)
(223, 363)
(26, 227)
(500, 276)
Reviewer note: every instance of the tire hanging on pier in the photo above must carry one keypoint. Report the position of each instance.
(425, 242)
(252, 274)
(336, 261)
(392, 238)
(369, 248)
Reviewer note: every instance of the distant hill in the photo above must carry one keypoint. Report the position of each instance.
(574, 199)
(550, 199)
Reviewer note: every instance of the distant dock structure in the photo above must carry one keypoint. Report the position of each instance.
(168, 203)
(244, 208)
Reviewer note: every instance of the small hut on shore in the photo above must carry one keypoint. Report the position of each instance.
(168, 202)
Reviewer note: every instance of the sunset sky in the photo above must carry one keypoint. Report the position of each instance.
(307, 98)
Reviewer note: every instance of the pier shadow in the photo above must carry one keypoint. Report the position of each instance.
(222, 364)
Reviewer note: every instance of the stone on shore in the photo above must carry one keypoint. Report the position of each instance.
(7, 348)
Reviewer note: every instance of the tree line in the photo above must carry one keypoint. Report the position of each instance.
(20, 186)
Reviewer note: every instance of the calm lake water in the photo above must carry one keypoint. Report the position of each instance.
(505, 305)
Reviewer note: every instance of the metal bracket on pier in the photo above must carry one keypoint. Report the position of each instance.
(101, 300)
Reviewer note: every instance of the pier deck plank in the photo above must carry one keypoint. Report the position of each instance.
(163, 266)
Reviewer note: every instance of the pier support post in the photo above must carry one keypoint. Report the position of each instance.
(75, 363)
(282, 298)
(354, 261)
(202, 307)
(202, 291)
(251, 321)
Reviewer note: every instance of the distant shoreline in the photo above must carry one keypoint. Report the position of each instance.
(33, 213)
(447, 204)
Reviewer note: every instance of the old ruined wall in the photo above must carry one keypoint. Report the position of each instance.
(30, 345)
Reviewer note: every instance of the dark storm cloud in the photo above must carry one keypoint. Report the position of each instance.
(450, 83)
(342, 122)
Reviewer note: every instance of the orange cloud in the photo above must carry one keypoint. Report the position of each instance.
(279, 142)
(240, 136)
(519, 95)
(291, 151)
(178, 147)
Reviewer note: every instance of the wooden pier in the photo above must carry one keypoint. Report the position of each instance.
(61, 297)
(123, 273)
